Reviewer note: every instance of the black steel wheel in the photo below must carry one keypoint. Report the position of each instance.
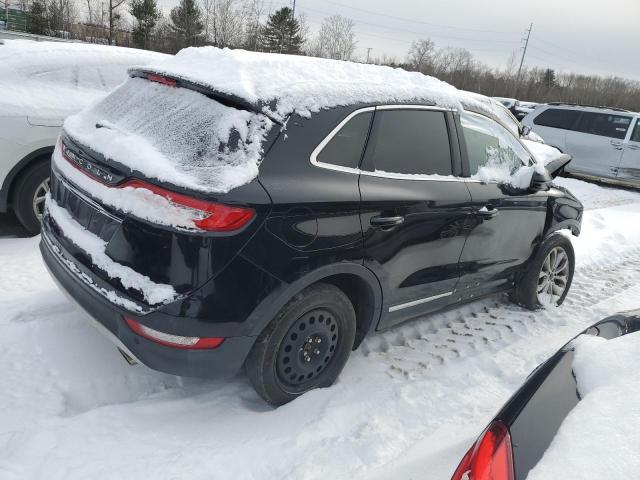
(308, 347)
(305, 346)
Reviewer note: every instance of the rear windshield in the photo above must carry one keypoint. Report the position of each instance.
(175, 135)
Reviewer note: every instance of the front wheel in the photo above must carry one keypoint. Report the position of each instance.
(305, 346)
(548, 277)
(29, 193)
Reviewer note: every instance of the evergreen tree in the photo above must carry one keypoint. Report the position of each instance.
(146, 14)
(282, 34)
(187, 23)
(549, 78)
(38, 18)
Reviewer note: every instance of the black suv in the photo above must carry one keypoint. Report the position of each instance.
(361, 216)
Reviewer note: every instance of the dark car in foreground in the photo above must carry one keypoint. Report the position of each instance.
(520, 434)
(361, 215)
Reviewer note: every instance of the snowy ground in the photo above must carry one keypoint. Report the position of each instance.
(408, 404)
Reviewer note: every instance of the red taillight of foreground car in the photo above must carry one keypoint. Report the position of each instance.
(175, 341)
(208, 216)
(490, 458)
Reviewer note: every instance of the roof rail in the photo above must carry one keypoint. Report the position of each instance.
(617, 109)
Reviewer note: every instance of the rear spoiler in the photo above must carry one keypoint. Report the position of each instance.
(227, 99)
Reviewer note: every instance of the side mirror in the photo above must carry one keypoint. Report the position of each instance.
(542, 177)
(524, 130)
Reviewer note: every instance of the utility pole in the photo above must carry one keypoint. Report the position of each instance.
(368, 52)
(293, 14)
(524, 52)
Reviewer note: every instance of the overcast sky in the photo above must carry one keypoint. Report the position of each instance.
(584, 36)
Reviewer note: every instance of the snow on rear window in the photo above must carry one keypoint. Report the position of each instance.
(175, 135)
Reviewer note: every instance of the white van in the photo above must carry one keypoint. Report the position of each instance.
(604, 142)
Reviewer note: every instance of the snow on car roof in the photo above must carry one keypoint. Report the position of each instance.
(283, 84)
(56, 79)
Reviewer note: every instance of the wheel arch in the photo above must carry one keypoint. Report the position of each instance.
(40, 155)
(357, 282)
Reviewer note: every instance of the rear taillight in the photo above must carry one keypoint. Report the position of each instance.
(490, 458)
(207, 216)
(171, 340)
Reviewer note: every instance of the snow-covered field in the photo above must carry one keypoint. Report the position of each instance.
(408, 404)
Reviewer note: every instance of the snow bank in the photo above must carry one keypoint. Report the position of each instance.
(600, 438)
(95, 247)
(56, 79)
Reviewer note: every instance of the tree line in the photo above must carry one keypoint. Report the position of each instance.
(458, 67)
(243, 24)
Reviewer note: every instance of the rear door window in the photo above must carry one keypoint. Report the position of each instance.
(557, 118)
(410, 142)
(345, 147)
(605, 125)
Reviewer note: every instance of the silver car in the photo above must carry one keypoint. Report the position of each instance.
(604, 142)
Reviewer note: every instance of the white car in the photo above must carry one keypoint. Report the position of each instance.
(604, 142)
(41, 83)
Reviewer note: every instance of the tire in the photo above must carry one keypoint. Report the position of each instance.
(277, 365)
(32, 182)
(527, 291)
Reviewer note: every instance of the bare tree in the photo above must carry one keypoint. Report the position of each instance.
(114, 16)
(336, 39)
(228, 23)
(253, 10)
(421, 55)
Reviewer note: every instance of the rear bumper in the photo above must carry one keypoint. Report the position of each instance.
(223, 361)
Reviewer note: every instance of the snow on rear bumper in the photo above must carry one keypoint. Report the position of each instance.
(95, 248)
(221, 362)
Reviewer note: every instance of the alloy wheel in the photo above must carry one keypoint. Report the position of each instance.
(39, 197)
(553, 277)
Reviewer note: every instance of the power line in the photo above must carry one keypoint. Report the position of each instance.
(415, 32)
(405, 19)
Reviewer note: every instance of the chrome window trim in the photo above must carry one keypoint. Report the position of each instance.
(357, 171)
(329, 137)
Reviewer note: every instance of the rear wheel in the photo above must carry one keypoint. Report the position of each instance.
(305, 346)
(29, 193)
(548, 277)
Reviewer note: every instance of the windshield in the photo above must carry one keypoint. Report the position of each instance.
(174, 134)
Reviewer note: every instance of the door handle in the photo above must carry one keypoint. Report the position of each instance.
(488, 212)
(616, 145)
(386, 221)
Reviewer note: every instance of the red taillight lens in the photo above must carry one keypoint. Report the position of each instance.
(175, 341)
(490, 458)
(161, 79)
(209, 216)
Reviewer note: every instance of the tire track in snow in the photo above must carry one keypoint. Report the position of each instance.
(494, 323)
